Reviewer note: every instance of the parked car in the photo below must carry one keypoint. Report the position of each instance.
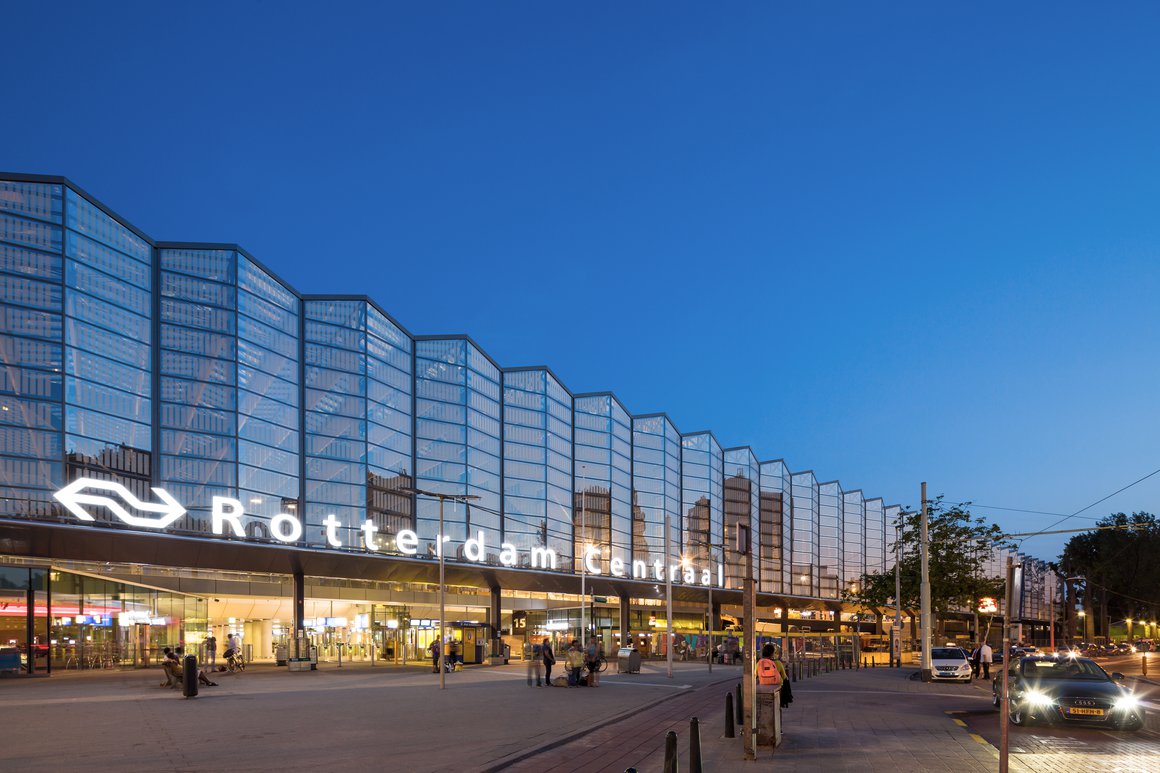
(1069, 691)
(950, 664)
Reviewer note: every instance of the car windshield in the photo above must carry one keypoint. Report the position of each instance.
(1068, 668)
(948, 653)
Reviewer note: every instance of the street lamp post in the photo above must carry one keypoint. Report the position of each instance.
(439, 549)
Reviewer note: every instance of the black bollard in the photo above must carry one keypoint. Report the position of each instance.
(738, 707)
(189, 677)
(670, 752)
(694, 746)
(729, 733)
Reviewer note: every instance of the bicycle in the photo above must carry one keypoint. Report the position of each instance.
(601, 665)
(234, 662)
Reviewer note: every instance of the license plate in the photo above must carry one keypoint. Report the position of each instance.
(1087, 712)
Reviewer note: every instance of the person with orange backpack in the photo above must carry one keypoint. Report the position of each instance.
(768, 674)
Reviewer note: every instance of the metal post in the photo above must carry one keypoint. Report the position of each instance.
(583, 568)
(668, 604)
(442, 603)
(1004, 704)
(710, 626)
(729, 731)
(694, 746)
(671, 752)
(749, 669)
(925, 633)
(896, 630)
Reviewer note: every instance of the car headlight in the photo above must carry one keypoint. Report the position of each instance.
(1036, 698)
(965, 667)
(1126, 703)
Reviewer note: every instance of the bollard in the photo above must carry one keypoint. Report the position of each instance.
(738, 707)
(670, 752)
(729, 716)
(189, 677)
(694, 746)
(793, 671)
(1144, 665)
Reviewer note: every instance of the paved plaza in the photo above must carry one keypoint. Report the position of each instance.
(362, 718)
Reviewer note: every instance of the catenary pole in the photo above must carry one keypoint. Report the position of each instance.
(668, 604)
(1005, 704)
(926, 634)
(896, 643)
(442, 603)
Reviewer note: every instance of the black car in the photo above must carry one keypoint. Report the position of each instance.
(1069, 691)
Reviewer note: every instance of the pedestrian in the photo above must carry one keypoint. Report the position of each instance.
(786, 689)
(234, 644)
(534, 663)
(976, 655)
(454, 652)
(434, 650)
(575, 664)
(211, 650)
(549, 658)
(768, 674)
(592, 661)
(985, 658)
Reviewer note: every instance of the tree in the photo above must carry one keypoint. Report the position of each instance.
(960, 545)
(1119, 566)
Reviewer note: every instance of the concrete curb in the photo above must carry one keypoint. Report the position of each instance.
(521, 756)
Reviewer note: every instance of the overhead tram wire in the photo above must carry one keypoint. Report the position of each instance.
(1064, 518)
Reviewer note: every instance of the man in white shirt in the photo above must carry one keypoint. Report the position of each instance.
(985, 658)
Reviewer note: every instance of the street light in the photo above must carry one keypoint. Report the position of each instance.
(439, 550)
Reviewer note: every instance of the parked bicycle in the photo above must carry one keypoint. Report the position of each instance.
(234, 661)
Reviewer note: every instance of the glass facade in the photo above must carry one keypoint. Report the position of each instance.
(457, 441)
(776, 525)
(854, 525)
(603, 470)
(656, 490)
(537, 464)
(702, 501)
(803, 539)
(31, 347)
(193, 368)
(742, 500)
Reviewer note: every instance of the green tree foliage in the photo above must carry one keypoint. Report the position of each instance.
(1122, 565)
(960, 545)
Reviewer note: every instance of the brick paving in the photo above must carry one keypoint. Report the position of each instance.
(872, 720)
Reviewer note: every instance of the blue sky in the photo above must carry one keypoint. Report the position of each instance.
(888, 242)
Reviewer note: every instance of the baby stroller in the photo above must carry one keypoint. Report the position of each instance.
(234, 661)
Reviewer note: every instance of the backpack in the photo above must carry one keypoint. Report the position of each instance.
(767, 672)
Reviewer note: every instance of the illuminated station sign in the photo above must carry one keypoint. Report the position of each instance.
(226, 515)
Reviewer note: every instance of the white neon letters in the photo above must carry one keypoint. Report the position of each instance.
(331, 523)
(226, 510)
(226, 514)
(286, 528)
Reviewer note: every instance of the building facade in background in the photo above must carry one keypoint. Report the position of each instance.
(293, 430)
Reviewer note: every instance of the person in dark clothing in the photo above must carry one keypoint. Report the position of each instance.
(549, 660)
(434, 650)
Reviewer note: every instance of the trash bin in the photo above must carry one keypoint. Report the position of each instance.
(189, 676)
(627, 660)
(281, 652)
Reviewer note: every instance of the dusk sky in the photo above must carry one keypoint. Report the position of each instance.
(887, 242)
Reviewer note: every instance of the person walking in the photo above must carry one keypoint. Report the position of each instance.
(211, 650)
(434, 650)
(592, 661)
(535, 660)
(549, 658)
(976, 654)
(985, 658)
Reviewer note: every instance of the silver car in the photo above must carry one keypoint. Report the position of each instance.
(950, 664)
